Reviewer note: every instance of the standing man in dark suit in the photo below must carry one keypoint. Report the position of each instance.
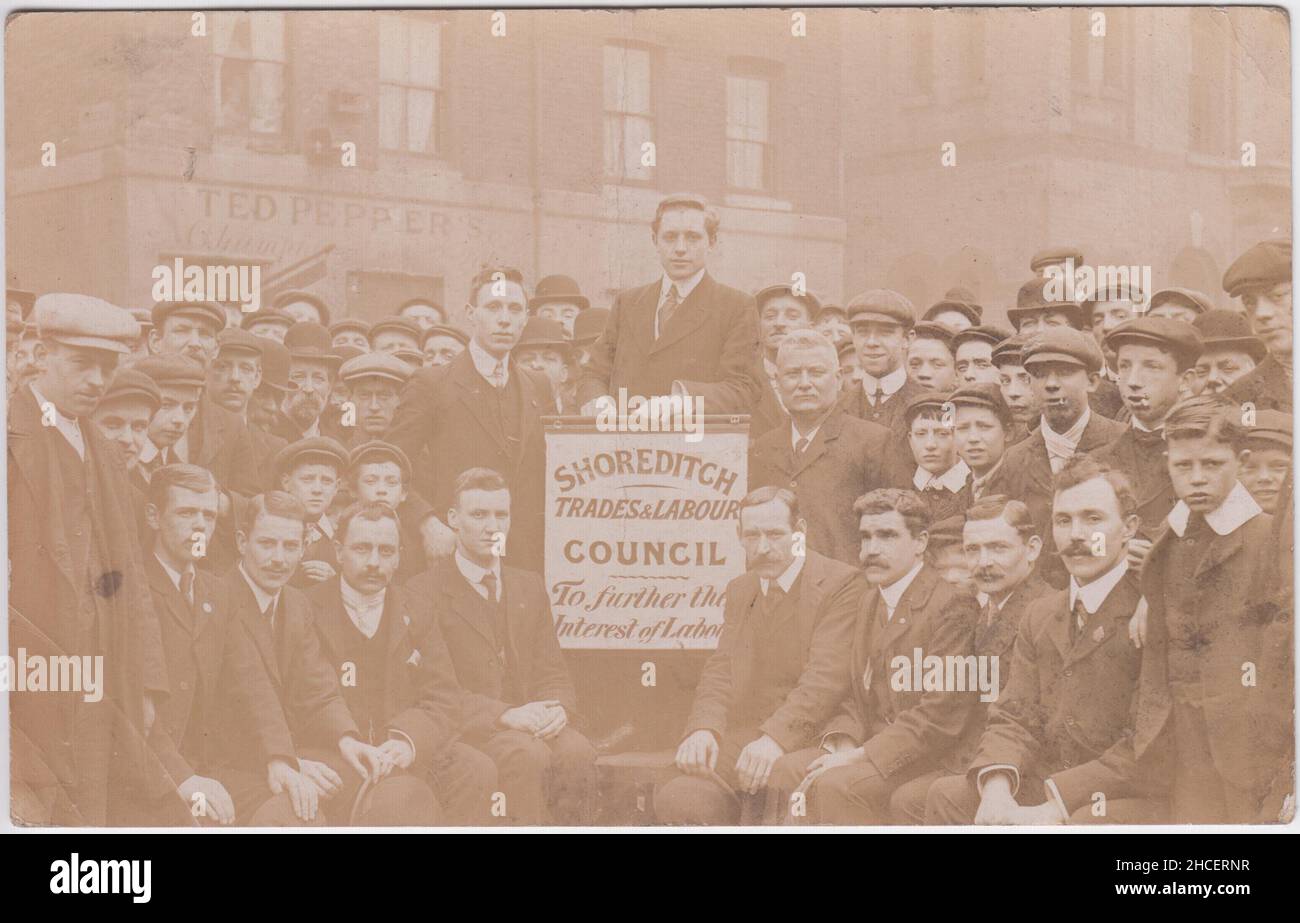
(1056, 749)
(887, 734)
(684, 333)
(1065, 364)
(520, 707)
(483, 410)
(779, 672)
(826, 457)
(780, 312)
(77, 580)
(1261, 278)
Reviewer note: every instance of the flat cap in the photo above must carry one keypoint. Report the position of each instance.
(589, 325)
(956, 299)
(268, 316)
(197, 310)
(307, 340)
(318, 449)
(1010, 351)
(350, 323)
(237, 339)
(143, 317)
(1113, 290)
(989, 333)
(881, 304)
(1177, 336)
(1032, 297)
(1197, 301)
(446, 330)
(275, 365)
(558, 289)
(925, 400)
(410, 357)
(172, 370)
(1265, 264)
(986, 395)
(349, 352)
(1228, 330)
(1062, 344)
(1273, 426)
(84, 320)
(933, 330)
(399, 324)
(376, 365)
(286, 298)
(539, 331)
(1052, 256)
(132, 385)
(808, 299)
(947, 531)
(830, 308)
(377, 450)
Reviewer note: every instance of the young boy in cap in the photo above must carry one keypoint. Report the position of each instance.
(310, 470)
(937, 474)
(981, 423)
(834, 323)
(1261, 278)
(374, 382)
(930, 360)
(1267, 460)
(381, 473)
(181, 384)
(1017, 387)
(1204, 706)
(71, 526)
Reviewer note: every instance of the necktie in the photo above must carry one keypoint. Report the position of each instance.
(269, 614)
(802, 445)
(314, 534)
(873, 396)
(1080, 618)
(499, 375)
(989, 612)
(667, 307)
(187, 587)
(772, 601)
(489, 582)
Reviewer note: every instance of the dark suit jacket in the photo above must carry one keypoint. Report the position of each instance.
(265, 447)
(710, 344)
(1265, 386)
(304, 680)
(1251, 739)
(531, 645)
(1143, 460)
(1065, 715)
(1107, 400)
(896, 456)
(210, 661)
(907, 729)
(442, 408)
(221, 442)
(421, 698)
(829, 594)
(768, 414)
(840, 465)
(45, 589)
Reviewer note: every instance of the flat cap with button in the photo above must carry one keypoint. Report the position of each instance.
(988, 333)
(268, 316)
(214, 314)
(926, 400)
(1263, 265)
(881, 304)
(1189, 298)
(315, 449)
(1177, 336)
(376, 365)
(132, 385)
(1055, 256)
(84, 320)
(1062, 344)
(1010, 351)
(177, 371)
(239, 340)
(1228, 331)
(377, 450)
(446, 330)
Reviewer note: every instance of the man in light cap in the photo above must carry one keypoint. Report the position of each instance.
(374, 382)
(1261, 278)
(268, 323)
(78, 586)
(1065, 364)
(390, 334)
(423, 313)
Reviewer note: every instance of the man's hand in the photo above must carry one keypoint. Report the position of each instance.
(217, 802)
(756, 762)
(529, 718)
(1138, 549)
(317, 571)
(597, 405)
(698, 753)
(365, 759)
(326, 780)
(996, 801)
(828, 761)
(281, 777)
(555, 720)
(439, 541)
(1137, 626)
(396, 753)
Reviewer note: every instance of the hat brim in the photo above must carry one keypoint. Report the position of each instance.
(100, 343)
(581, 301)
(1046, 356)
(1252, 346)
(960, 307)
(875, 317)
(312, 354)
(1072, 311)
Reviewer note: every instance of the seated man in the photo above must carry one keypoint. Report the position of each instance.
(780, 669)
(889, 729)
(520, 705)
(1052, 751)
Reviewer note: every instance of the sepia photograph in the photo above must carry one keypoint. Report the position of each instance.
(741, 419)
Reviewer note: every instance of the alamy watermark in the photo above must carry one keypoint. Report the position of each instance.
(224, 284)
(59, 673)
(662, 413)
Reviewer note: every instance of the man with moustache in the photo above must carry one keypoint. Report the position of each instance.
(1064, 364)
(482, 410)
(1000, 547)
(123, 416)
(683, 334)
(264, 406)
(235, 376)
(826, 457)
(885, 736)
(1261, 279)
(77, 580)
(1054, 749)
(1229, 350)
(780, 311)
(313, 367)
(544, 348)
(780, 670)
(218, 439)
(1017, 387)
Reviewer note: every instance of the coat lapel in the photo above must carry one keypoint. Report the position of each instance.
(472, 392)
(688, 316)
(246, 605)
(31, 455)
(465, 601)
(1221, 549)
(821, 444)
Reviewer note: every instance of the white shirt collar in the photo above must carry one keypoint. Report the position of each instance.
(148, 452)
(953, 480)
(486, 363)
(265, 600)
(68, 427)
(1095, 593)
(1075, 432)
(1143, 428)
(787, 579)
(893, 593)
(795, 435)
(365, 611)
(889, 385)
(174, 575)
(473, 573)
(1237, 509)
(684, 288)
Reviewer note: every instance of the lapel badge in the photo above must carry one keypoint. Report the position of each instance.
(406, 620)
(207, 607)
(414, 659)
(1099, 634)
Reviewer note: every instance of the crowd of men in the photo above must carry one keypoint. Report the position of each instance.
(309, 552)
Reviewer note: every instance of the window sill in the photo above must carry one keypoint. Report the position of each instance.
(756, 200)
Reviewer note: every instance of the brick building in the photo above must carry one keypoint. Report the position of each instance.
(476, 139)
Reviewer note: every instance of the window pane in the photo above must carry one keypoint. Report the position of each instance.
(425, 53)
(266, 82)
(421, 106)
(234, 107)
(747, 108)
(390, 117)
(636, 132)
(627, 80)
(392, 49)
(267, 35)
(745, 165)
